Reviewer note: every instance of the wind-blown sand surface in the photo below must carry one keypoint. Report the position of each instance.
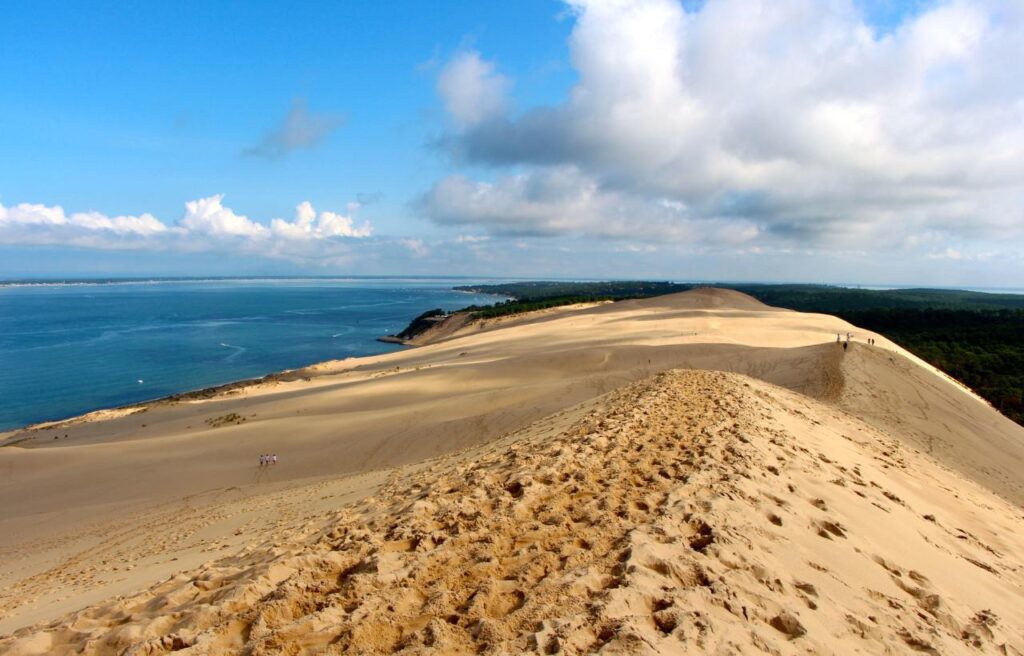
(491, 492)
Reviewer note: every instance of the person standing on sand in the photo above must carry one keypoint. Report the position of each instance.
(837, 338)
(273, 459)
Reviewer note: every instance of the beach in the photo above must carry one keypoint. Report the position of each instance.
(646, 475)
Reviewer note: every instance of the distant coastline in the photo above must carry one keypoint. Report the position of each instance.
(75, 281)
(159, 280)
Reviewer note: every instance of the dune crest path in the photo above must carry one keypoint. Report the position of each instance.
(691, 511)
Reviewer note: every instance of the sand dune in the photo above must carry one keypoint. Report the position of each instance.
(909, 401)
(693, 511)
(889, 463)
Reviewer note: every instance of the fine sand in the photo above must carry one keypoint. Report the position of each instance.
(536, 485)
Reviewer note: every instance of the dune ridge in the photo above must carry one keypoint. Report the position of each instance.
(690, 511)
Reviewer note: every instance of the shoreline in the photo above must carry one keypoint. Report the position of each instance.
(210, 392)
(201, 394)
(197, 394)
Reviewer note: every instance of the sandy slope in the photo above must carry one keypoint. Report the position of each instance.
(121, 503)
(693, 511)
(909, 401)
(462, 324)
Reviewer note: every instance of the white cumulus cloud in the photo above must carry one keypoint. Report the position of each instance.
(796, 121)
(207, 224)
(471, 88)
(30, 215)
(310, 225)
(209, 216)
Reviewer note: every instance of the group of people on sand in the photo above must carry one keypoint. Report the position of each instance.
(268, 459)
(849, 336)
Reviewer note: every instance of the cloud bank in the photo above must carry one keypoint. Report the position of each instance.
(785, 122)
(207, 224)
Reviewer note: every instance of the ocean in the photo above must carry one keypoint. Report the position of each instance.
(71, 347)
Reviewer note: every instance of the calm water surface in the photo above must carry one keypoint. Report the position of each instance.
(69, 349)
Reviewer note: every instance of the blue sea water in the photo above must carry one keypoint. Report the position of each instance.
(70, 348)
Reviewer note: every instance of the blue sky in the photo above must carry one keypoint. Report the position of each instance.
(136, 107)
(524, 138)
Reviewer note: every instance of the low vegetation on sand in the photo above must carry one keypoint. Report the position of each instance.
(421, 323)
(224, 420)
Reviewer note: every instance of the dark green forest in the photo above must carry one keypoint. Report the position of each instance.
(981, 348)
(975, 337)
(547, 290)
(515, 307)
(420, 323)
(530, 296)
